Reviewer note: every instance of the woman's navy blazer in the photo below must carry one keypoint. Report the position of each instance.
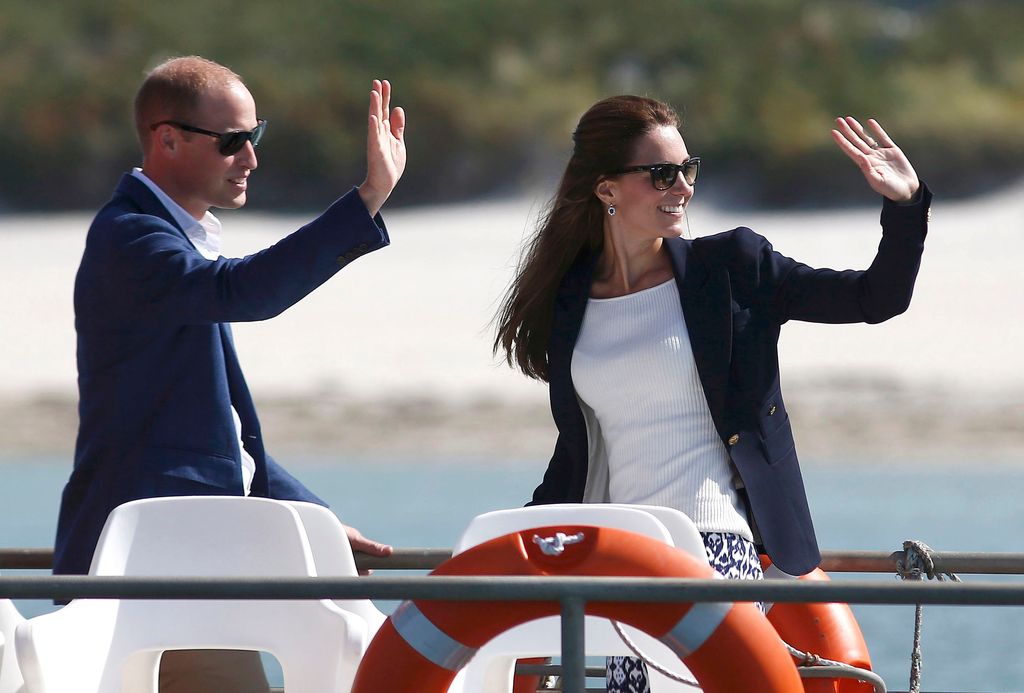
(735, 293)
(158, 375)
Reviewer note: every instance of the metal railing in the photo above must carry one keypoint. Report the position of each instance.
(831, 561)
(572, 594)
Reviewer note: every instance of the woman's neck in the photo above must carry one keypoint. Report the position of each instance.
(625, 268)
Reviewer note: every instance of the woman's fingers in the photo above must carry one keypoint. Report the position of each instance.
(883, 137)
(854, 132)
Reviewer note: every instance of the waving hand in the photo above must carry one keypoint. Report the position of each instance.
(385, 147)
(883, 164)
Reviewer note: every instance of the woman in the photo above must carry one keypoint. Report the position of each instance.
(661, 352)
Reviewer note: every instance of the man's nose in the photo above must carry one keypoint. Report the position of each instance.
(247, 156)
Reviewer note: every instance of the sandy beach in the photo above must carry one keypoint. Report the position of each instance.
(393, 354)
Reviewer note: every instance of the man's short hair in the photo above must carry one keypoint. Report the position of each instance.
(172, 91)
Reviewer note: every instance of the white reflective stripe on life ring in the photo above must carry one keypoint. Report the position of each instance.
(429, 640)
(693, 629)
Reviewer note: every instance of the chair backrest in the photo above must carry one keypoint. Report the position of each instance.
(103, 646)
(332, 556)
(10, 673)
(106, 646)
(203, 535)
(498, 523)
(684, 532)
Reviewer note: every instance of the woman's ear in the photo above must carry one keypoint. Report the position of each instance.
(605, 191)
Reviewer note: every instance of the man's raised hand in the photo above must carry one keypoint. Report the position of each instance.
(385, 148)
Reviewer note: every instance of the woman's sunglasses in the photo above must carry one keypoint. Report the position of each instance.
(663, 176)
(230, 142)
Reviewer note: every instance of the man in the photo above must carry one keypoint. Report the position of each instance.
(164, 409)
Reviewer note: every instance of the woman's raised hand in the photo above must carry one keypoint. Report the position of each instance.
(885, 167)
(385, 147)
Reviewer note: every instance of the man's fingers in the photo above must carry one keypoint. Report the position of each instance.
(378, 549)
(385, 99)
(398, 122)
(363, 545)
(374, 548)
(375, 101)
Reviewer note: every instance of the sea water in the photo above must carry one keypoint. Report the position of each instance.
(863, 503)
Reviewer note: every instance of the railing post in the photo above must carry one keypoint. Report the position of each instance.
(574, 671)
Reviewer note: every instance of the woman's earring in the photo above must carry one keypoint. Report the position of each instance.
(611, 210)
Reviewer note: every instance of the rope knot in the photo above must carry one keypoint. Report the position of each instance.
(917, 561)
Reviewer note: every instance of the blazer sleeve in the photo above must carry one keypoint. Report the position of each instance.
(791, 290)
(283, 486)
(163, 280)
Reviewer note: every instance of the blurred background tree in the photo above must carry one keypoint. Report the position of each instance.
(494, 88)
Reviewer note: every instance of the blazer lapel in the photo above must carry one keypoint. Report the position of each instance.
(706, 299)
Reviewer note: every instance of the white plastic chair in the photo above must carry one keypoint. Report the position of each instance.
(10, 673)
(332, 557)
(106, 646)
(492, 668)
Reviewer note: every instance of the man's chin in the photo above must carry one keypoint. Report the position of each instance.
(232, 203)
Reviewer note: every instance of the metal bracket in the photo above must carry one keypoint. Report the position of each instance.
(554, 546)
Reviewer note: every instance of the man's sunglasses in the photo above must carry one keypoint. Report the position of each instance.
(663, 176)
(230, 142)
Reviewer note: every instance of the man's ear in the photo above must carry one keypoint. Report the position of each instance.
(605, 190)
(164, 140)
(168, 141)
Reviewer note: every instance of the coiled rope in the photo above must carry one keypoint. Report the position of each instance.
(916, 563)
(810, 666)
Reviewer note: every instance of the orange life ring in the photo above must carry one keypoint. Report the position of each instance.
(728, 646)
(827, 630)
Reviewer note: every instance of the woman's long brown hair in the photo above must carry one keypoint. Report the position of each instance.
(574, 224)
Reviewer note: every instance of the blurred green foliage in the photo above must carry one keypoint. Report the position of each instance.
(493, 89)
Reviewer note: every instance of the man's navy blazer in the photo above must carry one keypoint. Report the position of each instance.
(157, 370)
(735, 293)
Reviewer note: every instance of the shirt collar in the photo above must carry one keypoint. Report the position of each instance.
(204, 234)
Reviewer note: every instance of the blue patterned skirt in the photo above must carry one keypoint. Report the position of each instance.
(732, 556)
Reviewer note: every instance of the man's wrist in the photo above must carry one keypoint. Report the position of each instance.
(371, 197)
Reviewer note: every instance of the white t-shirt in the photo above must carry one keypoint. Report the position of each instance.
(634, 367)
